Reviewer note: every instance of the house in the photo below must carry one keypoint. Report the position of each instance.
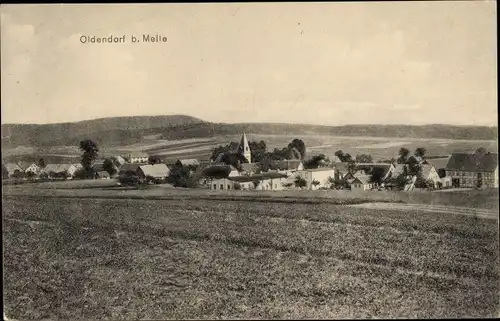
(473, 170)
(440, 166)
(263, 181)
(366, 168)
(156, 171)
(138, 158)
(129, 168)
(119, 160)
(288, 166)
(430, 174)
(102, 175)
(29, 167)
(60, 170)
(361, 183)
(317, 178)
(249, 168)
(341, 170)
(12, 168)
(187, 162)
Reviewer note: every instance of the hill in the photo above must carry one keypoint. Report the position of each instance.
(107, 131)
(118, 131)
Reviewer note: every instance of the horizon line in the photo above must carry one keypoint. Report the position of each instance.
(250, 122)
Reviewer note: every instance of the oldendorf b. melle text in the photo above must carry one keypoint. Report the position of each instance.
(144, 38)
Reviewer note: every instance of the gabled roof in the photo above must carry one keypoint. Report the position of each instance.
(129, 167)
(473, 162)
(426, 170)
(217, 171)
(439, 163)
(11, 167)
(243, 147)
(138, 154)
(249, 167)
(287, 165)
(363, 179)
(156, 170)
(189, 162)
(257, 177)
(319, 169)
(57, 168)
(24, 165)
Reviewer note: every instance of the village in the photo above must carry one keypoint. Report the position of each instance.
(236, 170)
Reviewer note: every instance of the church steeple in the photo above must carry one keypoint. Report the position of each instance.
(244, 148)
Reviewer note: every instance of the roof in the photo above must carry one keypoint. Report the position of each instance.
(249, 167)
(156, 170)
(24, 165)
(426, 170)
(342, 167)
(189, 162)
(243, 147)
(473, 162)
(57, 168)
(11, 167)
(320, 169)
(289, 164)
(257, 177)
(138, 154)
(217, 171)
(386, 167)
(103, 174)
(363, 179)
(129, 167)
(439, 163)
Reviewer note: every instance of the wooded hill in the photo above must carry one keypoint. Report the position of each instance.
(118, 131)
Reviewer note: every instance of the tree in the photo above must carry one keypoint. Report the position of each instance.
(30, 175)
(364, 158)
(237, 186)
(347, 158)
(90, 153)
(377, 174)
(41, 163)
(299, 145)
(420, 152)
(351, 167)
(300, 182)
(258, 151)
(18, 174)
(340, 155)
(154, 159)
(180, 176)
(256, 183)
(317, 161)
(315, 183)
(403, 155)
(109, 167)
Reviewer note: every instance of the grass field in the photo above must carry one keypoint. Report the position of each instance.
(378, 147)
(185, 258)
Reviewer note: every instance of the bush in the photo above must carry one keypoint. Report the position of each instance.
(237, 186)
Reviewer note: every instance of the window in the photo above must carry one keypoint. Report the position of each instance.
(275, 185)
(221, 186)
(228, 187)
(215, 186)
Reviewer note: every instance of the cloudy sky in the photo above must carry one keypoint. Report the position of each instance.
(323, 63)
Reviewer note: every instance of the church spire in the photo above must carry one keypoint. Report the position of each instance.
(244, 148)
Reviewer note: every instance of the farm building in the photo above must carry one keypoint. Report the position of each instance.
(60, 170)
(12, 168)
(129, 168)
(29, 167)
(119, 160)
(102, 175)
(137, 158)
(187, 162)
(289, 166)
(366, 168)
(361, 183)
(156, 171)
(264, 181)
(320, 175)
(473, 170)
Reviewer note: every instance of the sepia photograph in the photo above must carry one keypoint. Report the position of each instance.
(286, 160)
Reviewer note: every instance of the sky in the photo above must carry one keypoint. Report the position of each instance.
(315, 63)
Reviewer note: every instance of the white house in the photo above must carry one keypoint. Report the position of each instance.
(54, 170)
(156, 171)
(320, 175)
(361, 183)
(138, 158)
(12, 168)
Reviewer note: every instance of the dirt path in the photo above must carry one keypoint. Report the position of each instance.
(468, 211)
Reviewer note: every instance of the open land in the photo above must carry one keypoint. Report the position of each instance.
(201, 148)
(76, 253)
